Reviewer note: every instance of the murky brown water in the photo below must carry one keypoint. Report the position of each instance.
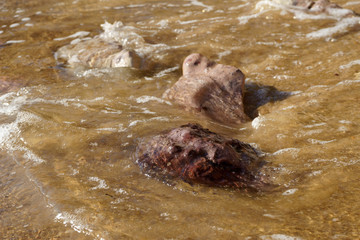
(67, 138)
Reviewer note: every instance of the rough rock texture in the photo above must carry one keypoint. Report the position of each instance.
(97, 53)
(216, 90)
(321, 6)
(197, 155)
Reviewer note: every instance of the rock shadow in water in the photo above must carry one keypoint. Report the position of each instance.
(258, 95)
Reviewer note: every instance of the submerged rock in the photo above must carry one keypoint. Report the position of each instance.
(98, 53)
(197, 155)
(321, 6)
(215, 90)
(8, 84)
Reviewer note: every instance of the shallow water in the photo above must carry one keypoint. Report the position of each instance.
(67, 137)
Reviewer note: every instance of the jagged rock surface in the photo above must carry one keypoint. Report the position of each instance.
(197, 155)
(215, 90)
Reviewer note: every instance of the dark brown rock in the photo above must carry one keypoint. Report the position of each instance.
(197, 155)
(215, 90)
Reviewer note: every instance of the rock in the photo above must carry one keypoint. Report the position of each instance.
(215, 90)
(319, 5)
(303, 3)
(197, 155)
(323, 6)
(8, 84)
(98, 53)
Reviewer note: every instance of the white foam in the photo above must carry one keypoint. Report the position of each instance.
(289, 192)
(75, 222)
(283, 5)
(130, 6)
(338, 162)
(318, 86)
(162, 73)
(258, 122)
(224, 53)
(147, 111)
(245, 19)
(74, 102)
(283, 77)
(270, 216)
(239, 6)
(112, 111)
(121, 191)
(345, 122)
(117, 31)
(31, 156)
(302, 133)
(7, 131)
(133, 123)
(279, 237)
(15, 41)
(201, 4)
(216, 228)
(339, 12)
(316, 173)
(75, 35)
(352, 3)
(111, 129)
(314, 125)
(340, 27)
(101, 183)
(11, 103)
(269, 44)
(96, 72)
(10, 140)
(347, 82)
(74, 59)
(294, 151)
(214, 19)
(145, 99)
(163, 23)
(267, 4)
(128, 37)
(14, 25)
(299, 12)
(161, 119)
(283, 2)
(289, 107)
(350, 64)
(77, 40)
(316, 141)
(188, 22)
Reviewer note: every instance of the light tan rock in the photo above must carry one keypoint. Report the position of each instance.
(215, 90)
(97, 53)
